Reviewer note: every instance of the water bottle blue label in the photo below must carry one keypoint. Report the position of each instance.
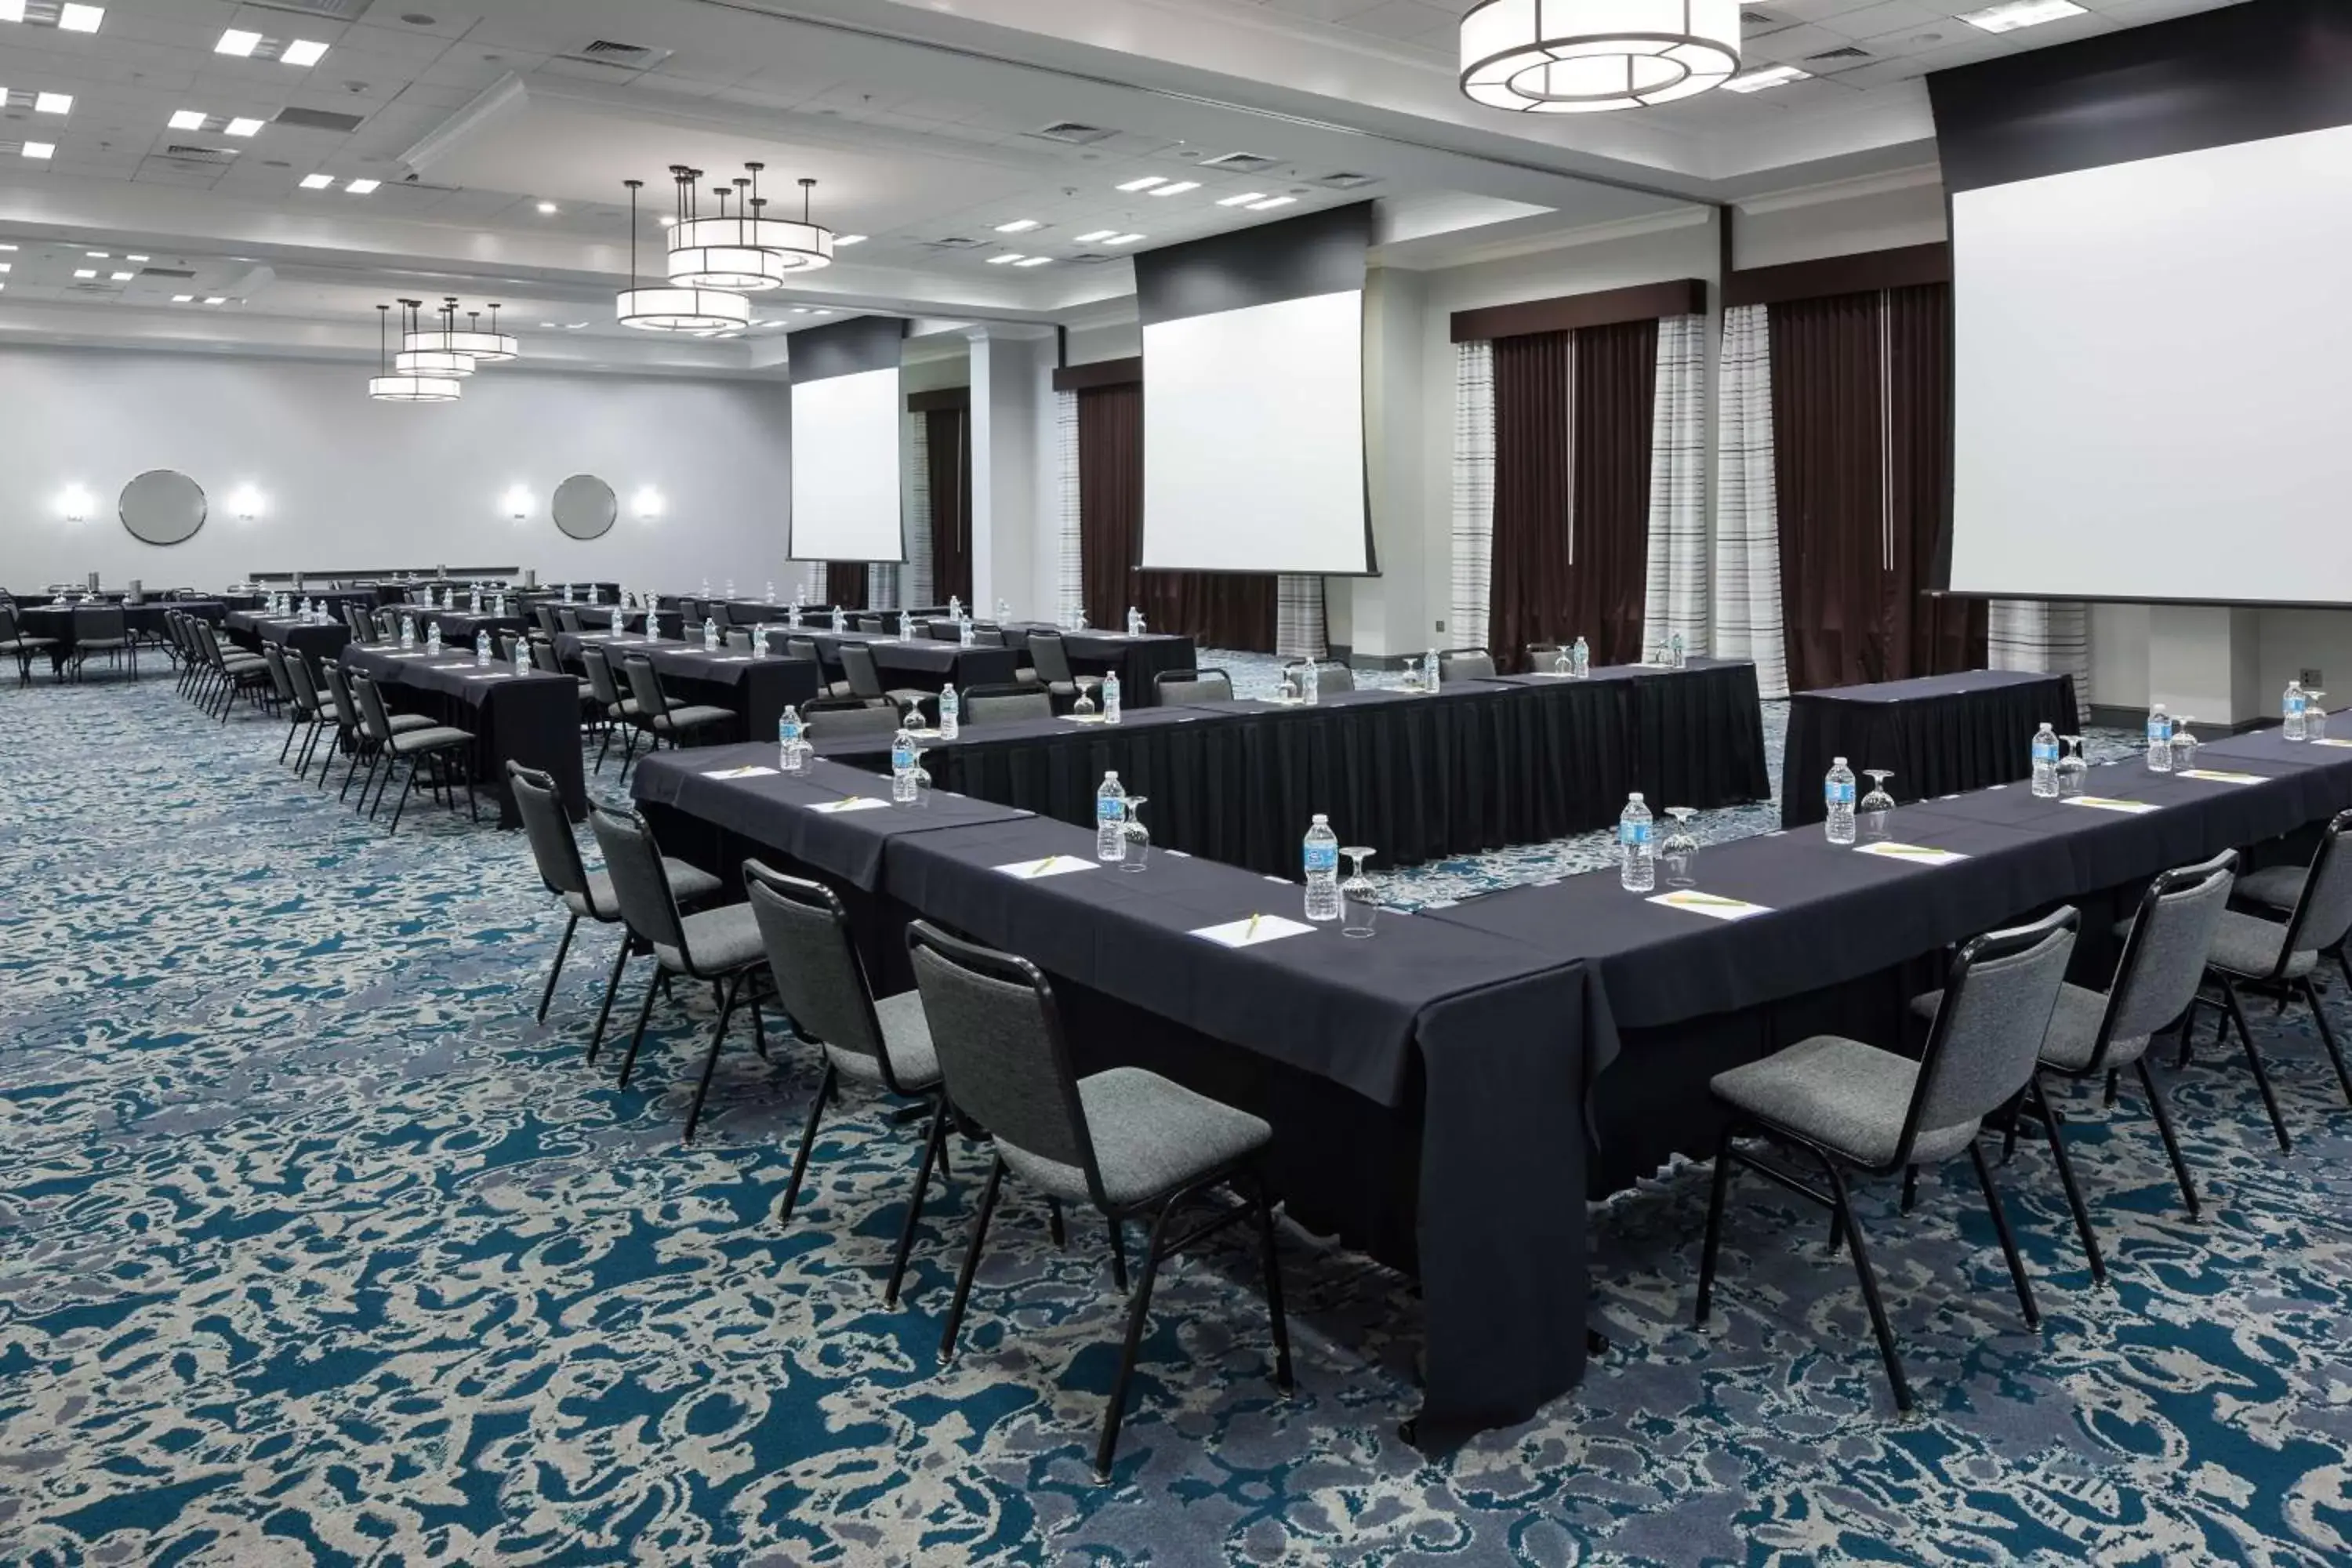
(1109, 808)
(2157, 730)
(1322, 857)
(2044, 751)
(902, 759)
(1633, 833)
(1836, 794)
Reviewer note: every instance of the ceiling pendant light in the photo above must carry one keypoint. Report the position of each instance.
(1586, 56)
(674, 310)
(746, 249)
(387, 387)
(493, 347)
(434, 361)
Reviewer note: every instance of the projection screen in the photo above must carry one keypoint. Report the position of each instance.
(848, 414)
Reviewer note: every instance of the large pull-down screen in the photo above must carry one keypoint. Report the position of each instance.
(846, 421)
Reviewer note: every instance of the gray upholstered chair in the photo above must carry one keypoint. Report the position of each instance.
(806, 647)
(1050, 661)
(866, 679)
(999, 704)
(273, 658)
(880, 1044)
(1854, 1106)
(718, 946)
(1177, 686)
(2277, 958)
(588, 895)
(567, 619)
(655, 715)
(2277, 889)
(438, 743)
(618, 710)
(308, 709)
(352, 732)
(103, 628)
(1132, 1144)
(17, 646)
(827, 723)
(1541, 654)
(1328, 677)
(2096, 1034)
(737, 638)
(1465, 664)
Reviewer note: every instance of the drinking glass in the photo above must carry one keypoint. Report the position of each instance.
(1359, 900)
(1084, 708)
(1138, 837)
(2184, 743)
(1680, 851)
(2315, 715)
(2071, 767)
(1876, 806)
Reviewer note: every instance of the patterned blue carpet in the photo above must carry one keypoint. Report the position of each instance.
(315, 1248)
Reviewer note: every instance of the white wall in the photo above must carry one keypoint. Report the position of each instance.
(352, 484)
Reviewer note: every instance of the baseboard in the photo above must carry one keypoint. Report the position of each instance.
(2137, 718)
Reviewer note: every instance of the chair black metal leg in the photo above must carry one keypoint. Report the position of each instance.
(1910, 1188)
(1862, 1268)
(2327, 1037)
(2237, 1017)
(808, 1141)
(2066, 1178)
(2007, 1241)
(1054, 1224)
(934, 1144)
(402, 803)
(645, 1011)
(556, 968)
(287, 745)
(1273, 1263)
(2115, 1082)
(2163, 1115)
(1707, 1254)
(710, 1057)
(971, 1258)
(1119, 1253)
(1138, 1308)
(603, 749)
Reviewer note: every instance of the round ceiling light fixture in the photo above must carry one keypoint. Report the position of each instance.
(1587, 57)
(672, 308)
(744, 249)
(404, 387)
(493, 347)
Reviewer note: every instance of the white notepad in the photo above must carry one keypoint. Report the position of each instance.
(2102, 803)
(753, 770)
(1254, 930)
(855, 803)
(2211, 776)
(1714, 906)
(2333, 741)
(1051, 866)
(1911, 854)
(1081, 718)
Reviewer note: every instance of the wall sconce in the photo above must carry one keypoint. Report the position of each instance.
(647, 504)
(518, 503)
(74, 503)
(246, 503)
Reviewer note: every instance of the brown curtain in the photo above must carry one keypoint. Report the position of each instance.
(1572, 426)
(844, 584)
(1218, 609)
(948, 438)
(1862, 418)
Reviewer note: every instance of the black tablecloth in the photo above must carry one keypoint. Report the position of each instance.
(921, 663)
(1939, 734)
(533, 719)
(1137, 659)
(756, 686)
(1465, 1056)
(250, 629)
(56, 622)
(458, 626)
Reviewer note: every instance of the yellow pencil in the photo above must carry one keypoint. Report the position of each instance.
(1252, 929)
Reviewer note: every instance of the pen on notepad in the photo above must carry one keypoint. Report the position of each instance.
(1252, 929)
(1042, 867)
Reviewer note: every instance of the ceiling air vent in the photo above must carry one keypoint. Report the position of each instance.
(1345, 182)
(1755, 16)
(325, 10)
(953, 242)
(620, 57)
(1847, 55)
(165, 272)
(1089, 257)
(1075, 133)
(1240, 162)
(187, 152)
(318, 120)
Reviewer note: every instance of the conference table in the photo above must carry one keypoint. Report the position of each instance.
(530, 719)
(1477, 765)
(757, 687)
(458, 626)
(1425, 1086)
(1136, 659)
(146, 620)
(1937, 734)
(917, 662)
(320, 639)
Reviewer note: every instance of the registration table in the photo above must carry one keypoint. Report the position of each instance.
(532, 719)
(1425, 1086)
(1786, 934)
(1476, 765)
(250, 629)
(1936, 734)
(755, 686)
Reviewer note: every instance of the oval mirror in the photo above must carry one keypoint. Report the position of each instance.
(161, 507)
(586, 506)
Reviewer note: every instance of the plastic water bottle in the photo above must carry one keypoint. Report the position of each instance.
(1134, 620)
(1637, 853)
(709, 634)
(2159, 738)
(955, 606)
(788, 739)
(730, 587)
(951, 713)
(2045, 762)
(906, 626)
(902, 767)
(522, 659)
(407, 631)
(1310, 683)
(1322, 858)
(433, 638)
(481, 648)
(1675, 656)
(772, 593)
(1429, 672)
(1579, 657)
(567, 592)
(1003, 612)
(2297, 727)
(1837, 794)
(596, 595)
(792, 616)
(837, 617)
(706, 587)
(1111, 819)
(965, 635)
(1110, 699)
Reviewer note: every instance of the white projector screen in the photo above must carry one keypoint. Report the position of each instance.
(1254, 438)
(2139, 414)
(846, 468)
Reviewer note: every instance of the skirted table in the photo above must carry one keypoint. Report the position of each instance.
(1938, 735)
(1137, 659)
(755, 686)
(532, 719)
(250, 629)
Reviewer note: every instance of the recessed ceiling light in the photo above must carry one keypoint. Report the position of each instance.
(547, 326)
(1004, 260)
(121, 277)
(6, 266)
(798, 311)
(244, 127)
(81, 18)
(362, 187)
(1178, 189)
(1769, 75)
(1243, 199)
(53, 103)
(1097, 235)
(317, 182)
(134, 258)
(85, 271)
(2020, 13)
(1271, 203)
(40, 149)
(575, 326)
(1123, 239)
(304, 52)
(1018, 226)
(669, 222)
(188, 120)
(1145, 184)
(184, 299)
(233, 42)
(100, 254)
(8, 247)
(1034, 260)
(841, 239)
(547, 209)
(215, 300)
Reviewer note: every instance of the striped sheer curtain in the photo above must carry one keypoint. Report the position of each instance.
(1298, 618)
(1748, 525)
(918, 518)
(1474, 491)
(1677, 555)
(1069, 574)
(2051, 637)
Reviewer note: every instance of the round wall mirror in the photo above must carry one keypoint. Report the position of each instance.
(586, 506)
(161, 507)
